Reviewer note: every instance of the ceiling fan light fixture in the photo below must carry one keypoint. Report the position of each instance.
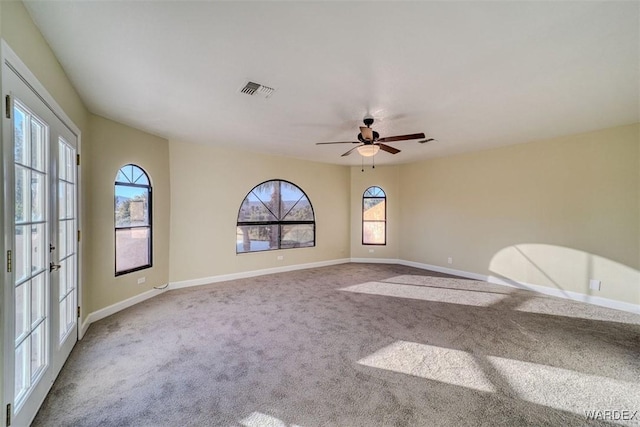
(368, 150)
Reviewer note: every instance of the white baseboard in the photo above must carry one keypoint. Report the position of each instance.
(560, 293)
(253, 273)
(114, 308)
(375, 260)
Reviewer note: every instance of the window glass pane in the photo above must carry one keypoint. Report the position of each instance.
(251, 238)
(373, 209)
(269, 194)
(297, 236)
(374, 192)
(132, 248)
(121, 177)
(301, 211)
(373, 233)
(253, 209)
(132, 206)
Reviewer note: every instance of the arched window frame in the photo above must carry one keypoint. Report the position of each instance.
(133, 178)
(371, 197)
(278, 221)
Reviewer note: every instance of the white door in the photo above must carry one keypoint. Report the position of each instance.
(41, 240)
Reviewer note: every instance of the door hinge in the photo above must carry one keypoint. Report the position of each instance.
(9, 261)
(78, 159)
(78, 311)
(9, 414)
(7, 106)
(78, 235)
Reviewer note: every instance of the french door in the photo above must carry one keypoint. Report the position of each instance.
(41, 286)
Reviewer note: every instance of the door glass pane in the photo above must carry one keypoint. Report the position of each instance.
(70, 199)
(21, 136)
(38, 196)
(22, 378)
(62, 239)
(71, 237)
(37, 145)
(22, 251)
(62, 204)
(38, 349)
(38, 298)
(22, 207)
(62, 278)
(22, 314)
(39, 248)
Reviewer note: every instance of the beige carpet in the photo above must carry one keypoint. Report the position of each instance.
(352, 345)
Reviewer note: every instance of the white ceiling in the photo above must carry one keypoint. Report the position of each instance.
(473, 75)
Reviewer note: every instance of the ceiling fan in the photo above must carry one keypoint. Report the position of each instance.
(370, 142)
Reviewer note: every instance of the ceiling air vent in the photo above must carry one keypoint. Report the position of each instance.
(252, 88)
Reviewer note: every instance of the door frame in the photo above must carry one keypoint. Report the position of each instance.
(11, 59)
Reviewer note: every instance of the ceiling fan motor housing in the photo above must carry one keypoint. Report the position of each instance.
(376, 135)
(368, 121)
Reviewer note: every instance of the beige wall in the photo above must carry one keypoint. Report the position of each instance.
(555, 213)
(387, 178)
(112, 146)
(24, 38)
(207, 187)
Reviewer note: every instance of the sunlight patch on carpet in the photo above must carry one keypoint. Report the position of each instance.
(557, 388)
(449, 296)
(258, 419)
(434, 363)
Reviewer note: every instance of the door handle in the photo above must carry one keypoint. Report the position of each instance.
(54, 267)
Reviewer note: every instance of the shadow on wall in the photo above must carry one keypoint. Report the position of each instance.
(566, 269)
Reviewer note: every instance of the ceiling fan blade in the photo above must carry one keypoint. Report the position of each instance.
(349, 152)
(340, 142)
(388, 148)
(367, 133)
(402, 137)
(426, 140)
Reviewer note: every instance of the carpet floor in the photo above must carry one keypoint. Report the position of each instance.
(352, 345)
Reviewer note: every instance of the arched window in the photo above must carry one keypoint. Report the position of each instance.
(132, 220)
(275, 215)
(374, 217)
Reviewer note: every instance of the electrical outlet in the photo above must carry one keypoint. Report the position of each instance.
(450, 260)
(280, 257)
(142, 280)
(594, 284)
(371, 251)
